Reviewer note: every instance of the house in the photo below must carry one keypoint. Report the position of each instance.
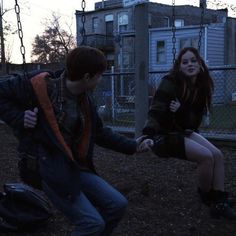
(110, 27)
(212, 44)
(140, 41)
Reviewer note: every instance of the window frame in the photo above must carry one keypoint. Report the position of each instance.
(193, 42)
(95, 24)
(160, 52)
(179, 23)
(123, 23)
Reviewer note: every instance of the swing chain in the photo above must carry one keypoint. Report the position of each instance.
(173, 31)
(83, 6)
(201, 25)
(20, 33)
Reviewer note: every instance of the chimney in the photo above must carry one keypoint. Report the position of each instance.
(203, 4)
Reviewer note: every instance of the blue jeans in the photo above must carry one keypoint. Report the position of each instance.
(96, 211)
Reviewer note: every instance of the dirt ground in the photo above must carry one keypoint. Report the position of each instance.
(162, 193)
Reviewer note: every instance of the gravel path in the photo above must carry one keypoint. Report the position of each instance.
(161, 192)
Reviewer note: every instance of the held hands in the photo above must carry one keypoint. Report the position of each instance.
(30, 118)
(144, 145)
(174, 105)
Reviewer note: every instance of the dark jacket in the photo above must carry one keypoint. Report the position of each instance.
(58, 167)
(161, 120)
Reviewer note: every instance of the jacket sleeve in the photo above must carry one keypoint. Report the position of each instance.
(107, 138)
(14, 100)
(160, 118)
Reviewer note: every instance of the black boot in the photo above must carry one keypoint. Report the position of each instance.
(206, 197)
(220, 206)
(218, 203)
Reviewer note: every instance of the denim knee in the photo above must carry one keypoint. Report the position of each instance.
(99, 226)
(120, 207)
(94, 228)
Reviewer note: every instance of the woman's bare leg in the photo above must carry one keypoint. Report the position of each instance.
(211, 175)
(218, 170)
(196, 152)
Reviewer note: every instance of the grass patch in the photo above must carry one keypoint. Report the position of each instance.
(222, 118)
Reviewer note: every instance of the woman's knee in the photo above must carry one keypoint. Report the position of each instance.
(198, 153)
(218, 156)
(207, 159)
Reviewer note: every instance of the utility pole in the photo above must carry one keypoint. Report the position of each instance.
(3, 58)
(141, 66)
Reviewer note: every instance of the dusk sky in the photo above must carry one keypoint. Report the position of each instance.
(33, 13)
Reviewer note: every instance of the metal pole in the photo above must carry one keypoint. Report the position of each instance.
(112, 94)
(121, 69)
(142, 66)
(3, 58)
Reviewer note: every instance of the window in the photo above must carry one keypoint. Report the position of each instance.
(126, 60)
(189, 42)
(123, 21)
(161, 52)
(179, 23)
(109, 17)
(109, 24)
(95, 24)
(110, 60)
(166, 22)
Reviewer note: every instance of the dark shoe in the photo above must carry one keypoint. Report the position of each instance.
(206, 197)
(222, 209)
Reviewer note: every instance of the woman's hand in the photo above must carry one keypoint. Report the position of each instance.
(30, 118)
(174, 105)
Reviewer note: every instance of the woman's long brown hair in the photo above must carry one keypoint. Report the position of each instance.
(203, 78)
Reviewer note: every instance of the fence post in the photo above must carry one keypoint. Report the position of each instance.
(141, 66)
(112, 94)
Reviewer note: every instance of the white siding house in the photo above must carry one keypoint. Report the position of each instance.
(161, 44)
(212, 51)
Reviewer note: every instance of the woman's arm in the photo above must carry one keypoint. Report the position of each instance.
(160, 117)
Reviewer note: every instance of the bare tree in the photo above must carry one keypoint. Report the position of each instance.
(5, 30)
(218, 4)
(54, 44)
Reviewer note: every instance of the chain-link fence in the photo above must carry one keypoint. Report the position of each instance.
(116, 101)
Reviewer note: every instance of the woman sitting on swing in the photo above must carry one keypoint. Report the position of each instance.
(179, 104)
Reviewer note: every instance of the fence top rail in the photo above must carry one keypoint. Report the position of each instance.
(225, 67)
(211, 68)
(117, 73)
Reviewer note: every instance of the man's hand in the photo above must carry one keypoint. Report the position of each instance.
(30, 118)
(143, 144)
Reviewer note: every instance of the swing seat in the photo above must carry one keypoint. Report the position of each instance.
(169, 145)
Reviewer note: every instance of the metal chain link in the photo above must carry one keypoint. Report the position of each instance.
(173, 31)
(83, 18)
(201, 24)
(20, 33)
